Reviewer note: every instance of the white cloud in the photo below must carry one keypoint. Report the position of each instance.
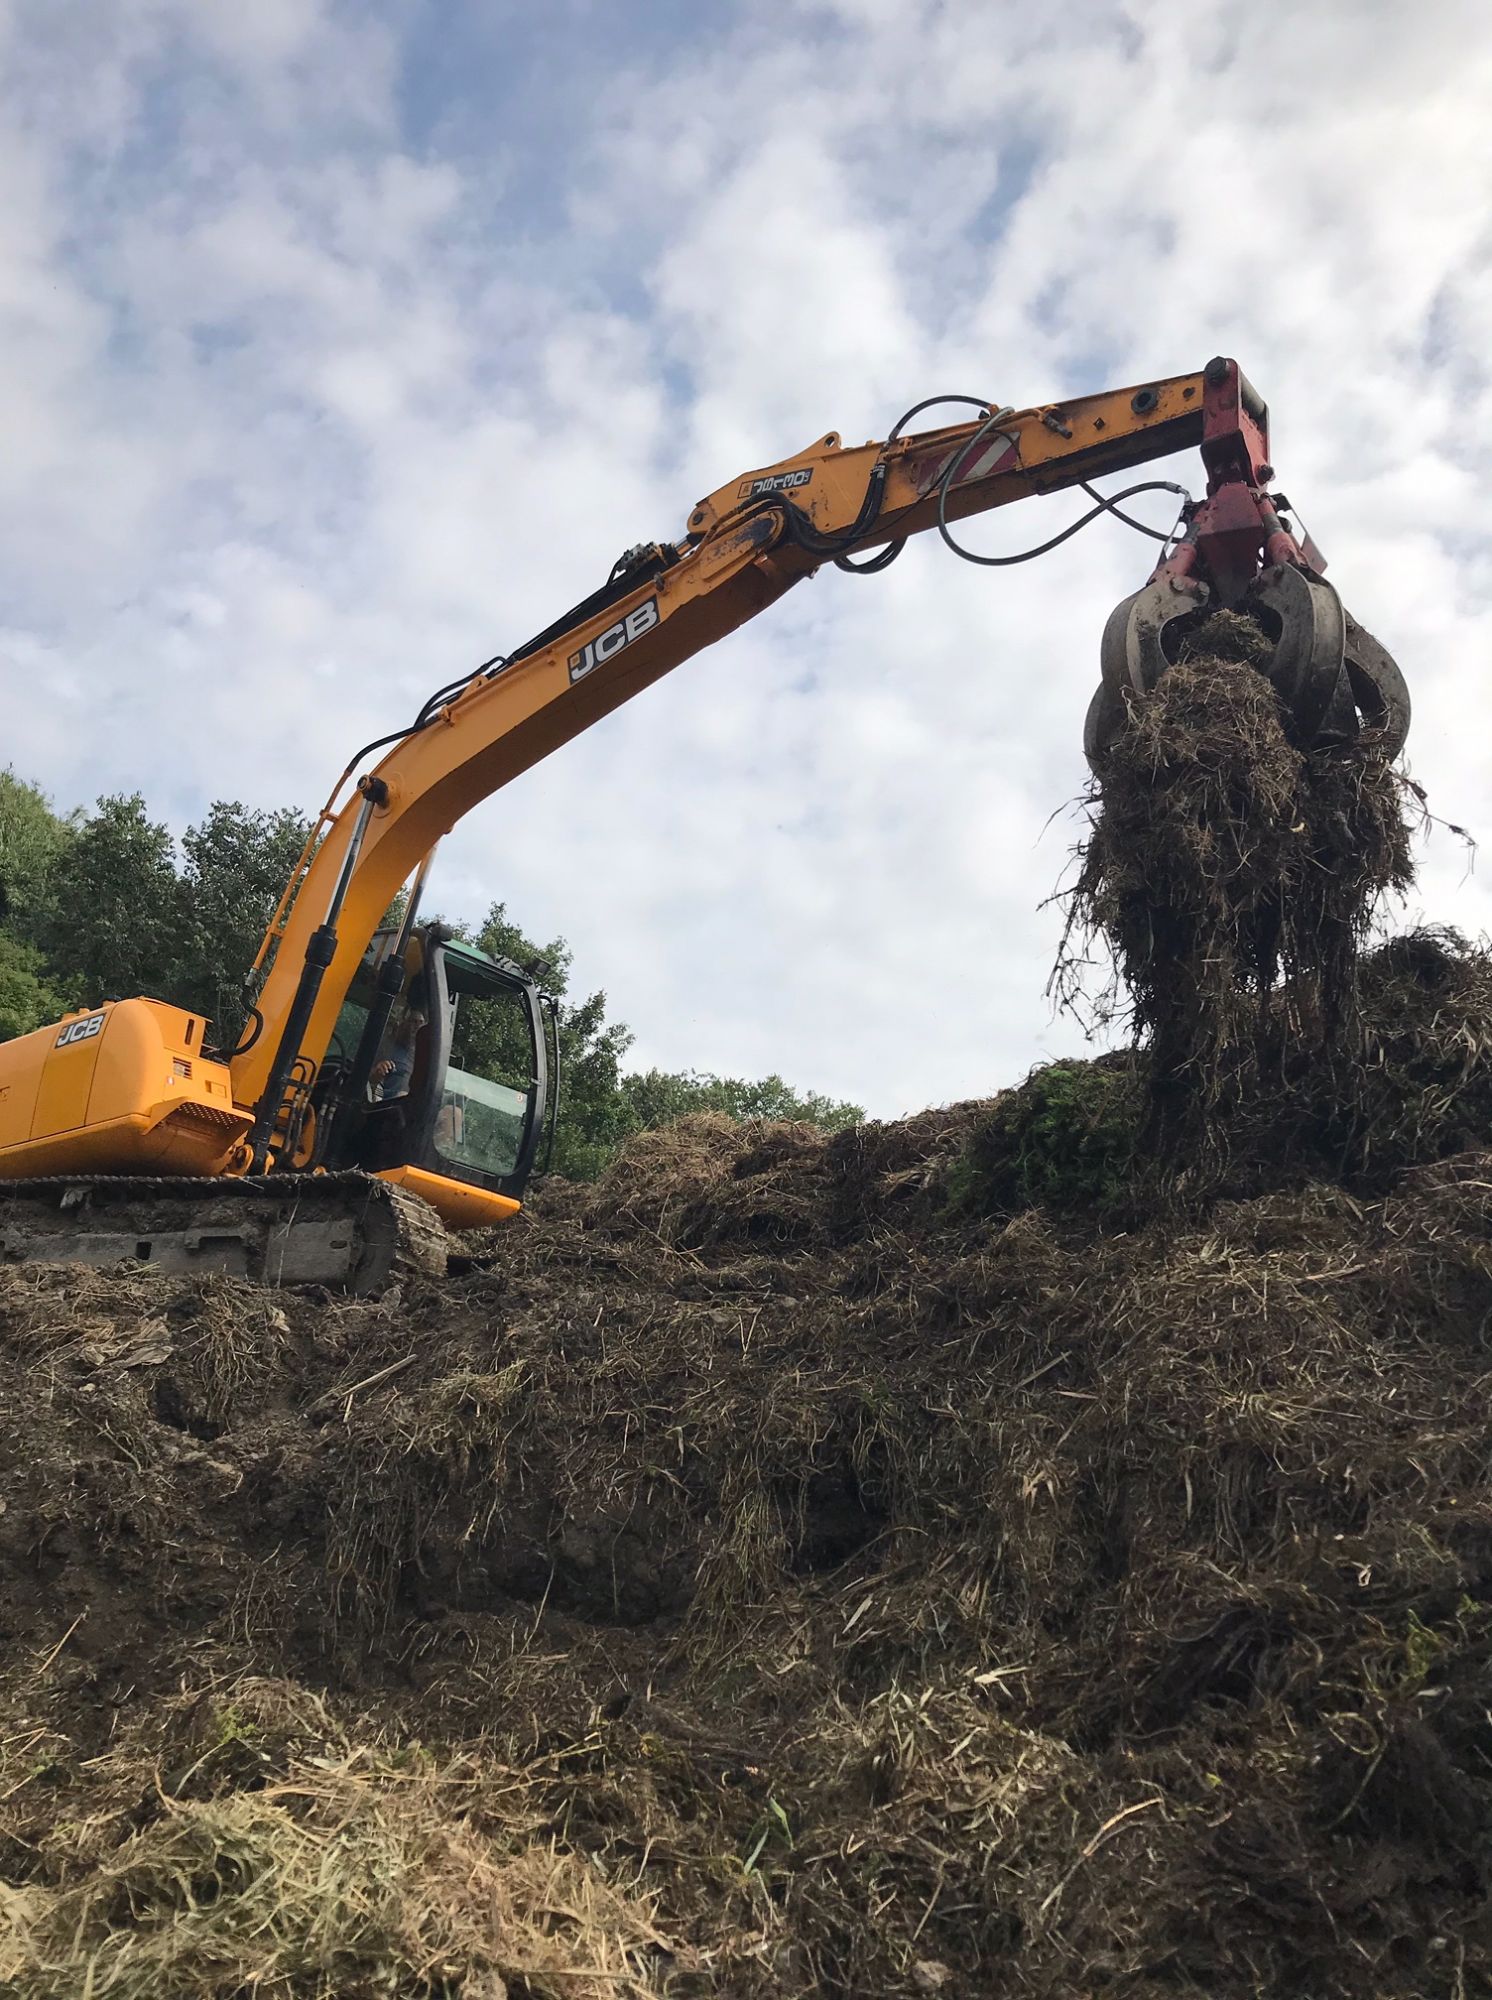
(269, 33)
(300, 422)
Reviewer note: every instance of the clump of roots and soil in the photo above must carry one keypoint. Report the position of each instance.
(1233, 879)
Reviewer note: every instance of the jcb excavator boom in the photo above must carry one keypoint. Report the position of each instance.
(290, 1096)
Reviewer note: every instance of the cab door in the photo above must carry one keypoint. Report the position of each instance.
(485, 1086)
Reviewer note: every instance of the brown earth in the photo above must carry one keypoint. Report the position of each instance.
(765, 1578)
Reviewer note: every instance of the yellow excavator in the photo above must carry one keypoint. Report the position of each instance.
(394, 1082)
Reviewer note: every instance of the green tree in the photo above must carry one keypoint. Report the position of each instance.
(27, 1001)
(237, 864)
(116, 920)
(655, 1096)
(593, 1118)
(32, 839)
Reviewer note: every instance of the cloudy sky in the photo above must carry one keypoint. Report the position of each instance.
(346, 342)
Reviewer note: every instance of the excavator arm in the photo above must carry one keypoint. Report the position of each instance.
(745, 545)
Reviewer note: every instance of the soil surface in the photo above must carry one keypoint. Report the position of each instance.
(766, 1576)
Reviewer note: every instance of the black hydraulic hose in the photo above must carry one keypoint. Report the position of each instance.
(255, 1025)
(1105, 506)
(1106, 501)
(551, 1008)
(981, 403)
(837, 546)
(873, 565)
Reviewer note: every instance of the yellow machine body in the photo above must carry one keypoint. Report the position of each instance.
(125, 1089)
(459, 1205)
(120, 1089)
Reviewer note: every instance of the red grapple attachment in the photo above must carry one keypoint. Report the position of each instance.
(1336, 683)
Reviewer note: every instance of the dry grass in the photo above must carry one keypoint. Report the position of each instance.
(416, 1459)
(284, 1854)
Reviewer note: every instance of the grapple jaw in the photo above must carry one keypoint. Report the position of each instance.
(1335, 682)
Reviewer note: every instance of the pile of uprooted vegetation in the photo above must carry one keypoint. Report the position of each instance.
(795, 1565)
(1414, 1086)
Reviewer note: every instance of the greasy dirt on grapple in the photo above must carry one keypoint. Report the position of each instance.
(1233, 878)
(766, 1581)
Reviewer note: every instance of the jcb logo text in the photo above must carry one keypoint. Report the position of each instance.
(81, 1031)
(596, 652)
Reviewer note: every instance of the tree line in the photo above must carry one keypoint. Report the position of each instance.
(103, 904)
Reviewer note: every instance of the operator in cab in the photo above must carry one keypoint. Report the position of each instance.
(393, 1075)
(394, 1069)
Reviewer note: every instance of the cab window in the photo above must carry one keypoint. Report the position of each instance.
(347, 1035)
(353, 1018)
(485, 1098)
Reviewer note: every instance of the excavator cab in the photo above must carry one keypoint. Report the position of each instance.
(438, 1075)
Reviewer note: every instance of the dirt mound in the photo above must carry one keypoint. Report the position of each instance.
(706, 1180)
(770, 1577)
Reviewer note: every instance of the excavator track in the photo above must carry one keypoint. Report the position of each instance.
(348, 1231)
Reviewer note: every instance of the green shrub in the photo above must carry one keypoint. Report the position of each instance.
(1063, 1140)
